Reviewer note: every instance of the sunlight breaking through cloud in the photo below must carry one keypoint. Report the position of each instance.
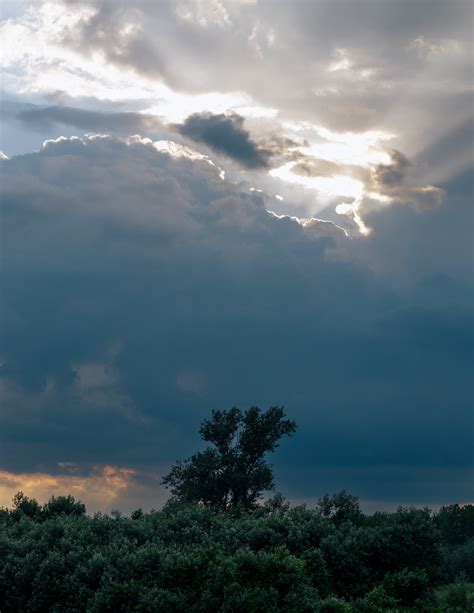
(336, 185)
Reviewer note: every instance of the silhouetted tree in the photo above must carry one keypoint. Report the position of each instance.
(233, 472)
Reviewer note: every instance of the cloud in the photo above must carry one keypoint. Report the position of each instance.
(449, 154)
(226, 135)
(222, 134)
(398, 182)
(206, 13)
(141, 290)
(316, 168)
(393, 173)
(429, 48)
(43, 118)
(310, 66)
(267, 56)
(274, 58)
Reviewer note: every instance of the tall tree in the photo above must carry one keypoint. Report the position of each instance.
(233, 472)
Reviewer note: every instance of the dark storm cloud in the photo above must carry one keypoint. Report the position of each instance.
(226, 135)
(43, 118)
(140, 290)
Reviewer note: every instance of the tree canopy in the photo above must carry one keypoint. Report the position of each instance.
(195, 556)
(233, 472)
(276, 557)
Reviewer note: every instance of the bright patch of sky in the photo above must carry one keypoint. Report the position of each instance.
(44, 60)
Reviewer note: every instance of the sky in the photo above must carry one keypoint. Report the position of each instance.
(213, 203)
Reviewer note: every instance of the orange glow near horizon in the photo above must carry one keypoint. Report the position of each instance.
(99, 489)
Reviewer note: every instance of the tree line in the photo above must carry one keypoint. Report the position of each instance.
(215, 546)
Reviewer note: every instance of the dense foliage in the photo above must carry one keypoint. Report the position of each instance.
(214, 548)
(275, 557)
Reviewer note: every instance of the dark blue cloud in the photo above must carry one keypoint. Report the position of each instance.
(225, 134)
(141, 290)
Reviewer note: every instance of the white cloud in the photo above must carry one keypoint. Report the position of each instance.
(276, 58)
(430, 49)
(205, 13)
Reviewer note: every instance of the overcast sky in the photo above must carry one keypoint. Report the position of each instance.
(208, 203)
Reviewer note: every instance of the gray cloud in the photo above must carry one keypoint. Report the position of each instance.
(44, 118)
(393, 173)
(450, 153)
(140, 290)
(400, 180)
(222, 134)
(226, 135)
(280, 56)
(344, 66)
(127, 48)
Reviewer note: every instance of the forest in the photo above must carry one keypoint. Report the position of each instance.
(219, 545)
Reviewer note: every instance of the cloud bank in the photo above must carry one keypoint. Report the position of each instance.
(141, 290)
(44, 118)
